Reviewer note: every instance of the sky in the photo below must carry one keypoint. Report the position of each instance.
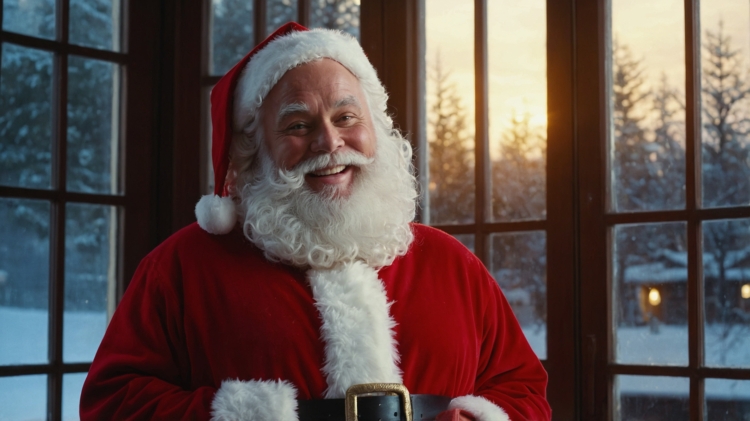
(653, 29)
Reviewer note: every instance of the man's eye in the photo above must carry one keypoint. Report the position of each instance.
(296, 126)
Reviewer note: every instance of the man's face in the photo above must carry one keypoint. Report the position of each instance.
(316, 109)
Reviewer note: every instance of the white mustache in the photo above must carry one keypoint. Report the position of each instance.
(324, 161)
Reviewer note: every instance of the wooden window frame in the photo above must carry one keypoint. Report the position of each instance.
(595, 235)
(136, 123)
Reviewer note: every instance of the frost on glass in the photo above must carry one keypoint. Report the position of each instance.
(725, 103)
(93, 88)
(517, 99)
(449, 104)
(30, 17)
(25, 117)
(651, 398)
(23, 397)
(71, 395)
(94, 23)
(727, 399)
(232, 33)
(519, 265)
(90, 268)
(649, 294)
(24, 281)
(726, 281)
(335, 14)
(279, 12)
(647, 96)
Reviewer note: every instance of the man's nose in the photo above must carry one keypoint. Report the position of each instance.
(328, 139)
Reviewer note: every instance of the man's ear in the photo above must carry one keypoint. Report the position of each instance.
(230, 181)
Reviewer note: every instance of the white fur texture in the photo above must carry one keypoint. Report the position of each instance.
(481, 408)
(215, 214)
(357, 328)
(284, 53)
(254, 400)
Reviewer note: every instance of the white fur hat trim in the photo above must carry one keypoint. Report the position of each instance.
(268, 65)
(254, 400)
(215, 214)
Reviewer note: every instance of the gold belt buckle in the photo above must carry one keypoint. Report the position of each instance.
(389, 388)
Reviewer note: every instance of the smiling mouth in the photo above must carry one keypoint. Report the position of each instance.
(328, 171)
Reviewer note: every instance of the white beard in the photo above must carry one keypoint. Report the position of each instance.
(295, 225)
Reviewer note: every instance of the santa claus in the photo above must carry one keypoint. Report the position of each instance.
(304, 283)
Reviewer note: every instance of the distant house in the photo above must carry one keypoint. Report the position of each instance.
(660, 288)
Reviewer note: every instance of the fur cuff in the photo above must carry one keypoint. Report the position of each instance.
(215, 214)
(480, 408)
(357, 328)
(254, 400)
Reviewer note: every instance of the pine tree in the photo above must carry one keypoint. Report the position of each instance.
(451, 187)
(726, 178)
(518, 175)
(726, 123)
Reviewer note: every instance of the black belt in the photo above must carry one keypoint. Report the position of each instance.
(373, 408)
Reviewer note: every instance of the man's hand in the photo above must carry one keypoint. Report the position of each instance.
(454, 415)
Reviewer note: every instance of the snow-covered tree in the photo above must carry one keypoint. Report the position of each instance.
(726, 123)
(451, 186)
(518, 175)
(26, 147)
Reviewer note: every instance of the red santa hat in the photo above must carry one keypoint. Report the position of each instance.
(237, 96)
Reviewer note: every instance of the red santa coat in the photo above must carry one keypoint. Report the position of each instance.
(207, 313)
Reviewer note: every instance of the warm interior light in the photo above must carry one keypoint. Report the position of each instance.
(654, 298)
(746, 291)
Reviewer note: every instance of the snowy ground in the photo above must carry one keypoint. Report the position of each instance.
(23, 340)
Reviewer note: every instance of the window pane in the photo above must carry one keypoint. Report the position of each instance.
(647, 114)
(279, 12)
(450, 111)
(93, 91)
(726, 281)
(467, 240)
(518, 108)
(94, 23)
(232, 35)
(725, 57)
(90, 267)
(519, 264)
(24, 281)
(651, 398)
(649, 294)
(335, 14)
(23, 398)
(727, 399)
(72, 385)
(25, 117)
(30, 17)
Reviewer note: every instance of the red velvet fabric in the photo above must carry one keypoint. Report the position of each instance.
(204, 308)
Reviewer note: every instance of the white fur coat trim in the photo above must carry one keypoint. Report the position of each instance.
(268, 65)
(254, 400)
(481, 408)
(357, 328)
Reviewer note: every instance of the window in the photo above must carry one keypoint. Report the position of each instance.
(665, 171)
(65, 195)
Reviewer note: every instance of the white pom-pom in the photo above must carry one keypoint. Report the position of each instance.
(215, 214)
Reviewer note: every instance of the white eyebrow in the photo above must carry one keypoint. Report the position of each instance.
(347, 100)
(293, 108)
